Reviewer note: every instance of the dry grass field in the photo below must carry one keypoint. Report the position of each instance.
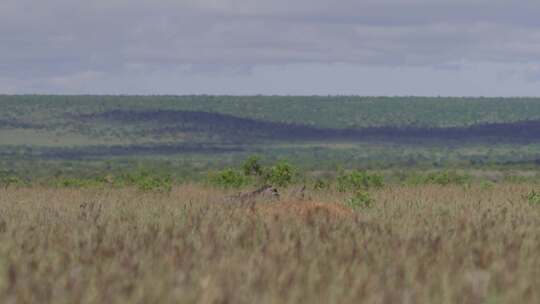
(423, 244)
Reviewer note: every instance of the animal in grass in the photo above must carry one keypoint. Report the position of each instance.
(299, 193)
(263, 193)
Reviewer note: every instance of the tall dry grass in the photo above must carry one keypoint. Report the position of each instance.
(425, 244)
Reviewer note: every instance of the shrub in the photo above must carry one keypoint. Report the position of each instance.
(321, 184)
(147, 181)
(487, 185)
(252, 167)
(228, 178)
(280, 175)
(360, 200)
(155, 183)
(448, 177)
(7, 181)
(358, 180)
(533, 198)
(71, 183)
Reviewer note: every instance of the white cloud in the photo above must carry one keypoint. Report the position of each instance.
(77, 80)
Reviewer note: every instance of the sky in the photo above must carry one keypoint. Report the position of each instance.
(271, 47)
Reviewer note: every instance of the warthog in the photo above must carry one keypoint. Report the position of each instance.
(265, 192)
(298, 193)
(90, 211)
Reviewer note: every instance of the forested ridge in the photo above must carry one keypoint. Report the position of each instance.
(315, 130)
(317, 111)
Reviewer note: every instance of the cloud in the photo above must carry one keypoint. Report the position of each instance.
(48, 42)
(76, 80)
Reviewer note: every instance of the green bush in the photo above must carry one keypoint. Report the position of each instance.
(146, 181)
(487, 185)
(155, 183)
(280, 175)
(228, 178)
(321, 184)
(360, 200)
(7, 181)
(358, 180)
(252, 167)
(533, 198)
(72, 183)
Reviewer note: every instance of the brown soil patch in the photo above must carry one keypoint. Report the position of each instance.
(305, 209)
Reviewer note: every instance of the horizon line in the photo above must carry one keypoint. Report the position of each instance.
(268, 95)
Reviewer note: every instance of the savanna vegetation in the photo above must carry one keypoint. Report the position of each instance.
(406, 244)
(191, 135)
(159, 199)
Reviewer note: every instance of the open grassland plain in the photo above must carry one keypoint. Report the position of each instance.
(414, 244)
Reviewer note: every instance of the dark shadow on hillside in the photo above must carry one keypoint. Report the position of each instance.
(117, 151)
(15, 124)
(249, 130)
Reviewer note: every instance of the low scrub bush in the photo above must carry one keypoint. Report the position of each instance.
(321, 184)
(72, 182)
(253, 167)
(228, 178)
(442, 178)
(147, 181)
(487, 185)
(7, 181)
(359, 180)
(360, 200)
(533, 198)
(280, 175)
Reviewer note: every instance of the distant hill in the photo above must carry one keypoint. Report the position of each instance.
(339, 112)
(314, 130)
(231, 128)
